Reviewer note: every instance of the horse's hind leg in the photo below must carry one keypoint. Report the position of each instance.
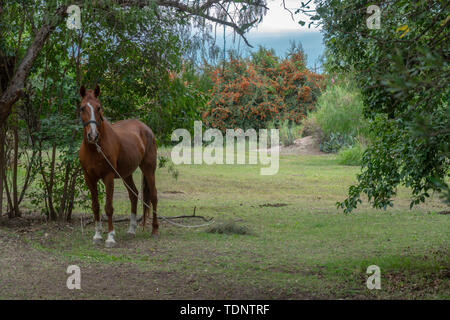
(134, 199)
(150, 194)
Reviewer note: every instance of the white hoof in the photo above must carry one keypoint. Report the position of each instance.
(97, 239)
(110, 243)
(133, 225)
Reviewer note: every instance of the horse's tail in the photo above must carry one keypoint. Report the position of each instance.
(145, 198)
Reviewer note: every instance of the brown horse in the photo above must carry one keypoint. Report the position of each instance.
(127, 144)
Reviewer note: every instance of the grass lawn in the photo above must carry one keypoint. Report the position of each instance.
(300, 245)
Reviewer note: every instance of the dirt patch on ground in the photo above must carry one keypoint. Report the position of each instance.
(303, 146)
(14, 223)
(273, 205)
(174, 192)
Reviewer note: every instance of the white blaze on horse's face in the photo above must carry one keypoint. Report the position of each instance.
(93, 134)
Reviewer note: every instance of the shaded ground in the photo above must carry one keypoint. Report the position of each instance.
(29, 273)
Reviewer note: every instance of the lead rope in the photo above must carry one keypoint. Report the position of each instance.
(99, 149)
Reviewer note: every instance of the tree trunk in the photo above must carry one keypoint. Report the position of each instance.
(64, 200)
(16, 212)
(2, 165)
(8, 197)
(53, 215)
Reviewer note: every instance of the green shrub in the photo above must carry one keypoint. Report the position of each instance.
(340, 111)
(165, 161)
(229, 227)
(351, 156)
(336, 141)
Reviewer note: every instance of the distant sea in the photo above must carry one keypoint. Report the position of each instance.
(281, 42)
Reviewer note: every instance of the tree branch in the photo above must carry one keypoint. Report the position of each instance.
(16, 85)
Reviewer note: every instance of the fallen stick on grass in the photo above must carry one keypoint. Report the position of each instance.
(169, 218)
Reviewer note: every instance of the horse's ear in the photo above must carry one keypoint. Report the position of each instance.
(82, 91)
(97, 91)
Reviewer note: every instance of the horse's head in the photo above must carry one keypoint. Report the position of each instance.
(91, 113)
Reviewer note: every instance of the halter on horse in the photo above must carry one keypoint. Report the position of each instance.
(127, 144)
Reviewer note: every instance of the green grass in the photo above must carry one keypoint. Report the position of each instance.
(306, 246)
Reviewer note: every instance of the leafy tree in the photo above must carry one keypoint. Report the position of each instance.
(130, 47)
(44, 18)
(403, 72)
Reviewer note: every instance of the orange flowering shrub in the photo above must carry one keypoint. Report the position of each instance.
(250, 93)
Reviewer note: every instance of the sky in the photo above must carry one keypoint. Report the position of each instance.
(279, 20)
(278, 29)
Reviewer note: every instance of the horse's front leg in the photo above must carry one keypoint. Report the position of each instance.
(109, 186)
(92, 185)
